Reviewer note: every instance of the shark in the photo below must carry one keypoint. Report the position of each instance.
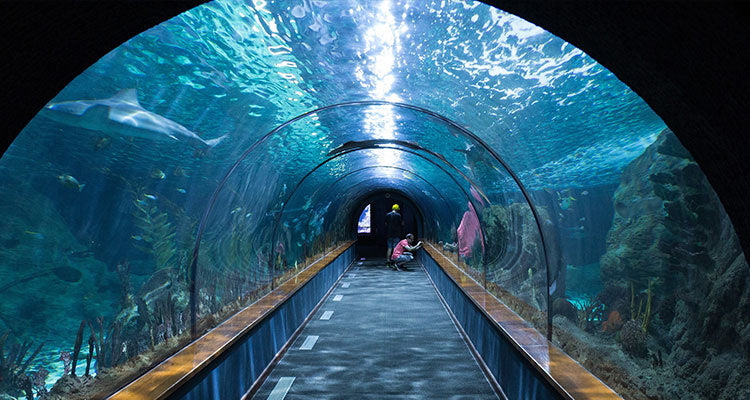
(123, 115)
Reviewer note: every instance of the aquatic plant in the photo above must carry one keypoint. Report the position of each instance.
(13, 378)
(39, 380)
(590, 313)
(644, 317)
(157, 232)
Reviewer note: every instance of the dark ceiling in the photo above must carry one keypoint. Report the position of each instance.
(688, 60)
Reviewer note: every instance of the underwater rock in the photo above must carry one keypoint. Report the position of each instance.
(687, 246)
(565, 308)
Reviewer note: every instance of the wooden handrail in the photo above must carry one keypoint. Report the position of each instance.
(165, 378)
(565, 374)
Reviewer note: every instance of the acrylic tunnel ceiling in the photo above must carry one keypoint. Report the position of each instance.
(237, 70)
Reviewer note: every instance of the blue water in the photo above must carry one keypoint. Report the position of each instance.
(563, 122)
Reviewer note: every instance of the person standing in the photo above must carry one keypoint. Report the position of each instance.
(393, 226)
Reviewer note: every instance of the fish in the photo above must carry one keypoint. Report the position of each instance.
(236, 210)
(138, 237)
(123, 115)
(567, 202)
(181, 190)
(102, 142)
(475, 155)
(71, 182)
(81, 254)
(372, 143)
(585, 193)
(248, 215)
(36, 235)
(158, 174)
(141, 202)
(178, 171)
(150, 197)
(575, 232)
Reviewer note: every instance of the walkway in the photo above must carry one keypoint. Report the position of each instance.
(381, 334)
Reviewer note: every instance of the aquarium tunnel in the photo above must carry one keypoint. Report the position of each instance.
(202, 212)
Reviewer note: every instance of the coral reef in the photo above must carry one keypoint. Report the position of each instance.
(613, 322)
(13, 377)
(633, 338)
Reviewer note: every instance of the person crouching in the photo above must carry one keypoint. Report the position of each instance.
(403, 253)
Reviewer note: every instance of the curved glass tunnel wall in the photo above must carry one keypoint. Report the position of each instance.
(645, 268)
(303, 209)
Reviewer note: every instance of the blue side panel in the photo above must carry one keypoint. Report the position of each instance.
(231, 375)
(516, 376)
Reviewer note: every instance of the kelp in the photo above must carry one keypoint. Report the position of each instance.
(157, 233)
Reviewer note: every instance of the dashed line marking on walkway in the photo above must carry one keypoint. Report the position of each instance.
(338, 297)
(345, 285)
(282, 387)
(326, 315)
(309, 343)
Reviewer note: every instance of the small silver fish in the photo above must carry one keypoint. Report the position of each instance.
(71, 182)
(139, 237)
(150, 197)
(181, 190)
(158, 174)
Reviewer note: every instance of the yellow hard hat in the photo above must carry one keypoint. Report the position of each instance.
(396, 207)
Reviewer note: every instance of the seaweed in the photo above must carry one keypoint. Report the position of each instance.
(77, 348)
(645, 316)
(157, 232)
(13, 367)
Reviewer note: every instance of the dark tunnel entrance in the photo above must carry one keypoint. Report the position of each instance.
(373, 243)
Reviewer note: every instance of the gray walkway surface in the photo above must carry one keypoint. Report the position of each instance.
(381, 334)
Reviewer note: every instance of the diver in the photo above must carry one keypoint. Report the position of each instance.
(403, 253)
(393, 226)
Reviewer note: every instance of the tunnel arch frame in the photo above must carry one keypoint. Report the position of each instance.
(204, 219)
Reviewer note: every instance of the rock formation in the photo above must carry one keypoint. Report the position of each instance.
(670, 228)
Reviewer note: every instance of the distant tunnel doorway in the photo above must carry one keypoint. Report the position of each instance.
(373, 243)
